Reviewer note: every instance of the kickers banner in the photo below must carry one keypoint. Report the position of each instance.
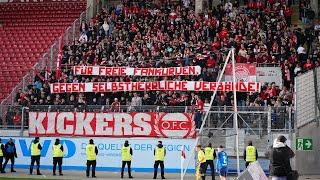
(179, 125)
(153, 86)
(126, 71)
(244, 72)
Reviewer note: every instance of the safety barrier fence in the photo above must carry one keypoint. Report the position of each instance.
(257, 121)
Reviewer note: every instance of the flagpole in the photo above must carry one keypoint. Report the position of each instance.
(207, 111)
(181, 168)
(235, 114)
(183, 156)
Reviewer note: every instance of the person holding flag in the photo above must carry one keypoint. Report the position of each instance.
(222, 163)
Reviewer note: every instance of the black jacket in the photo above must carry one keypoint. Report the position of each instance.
(6, 147)
(280, 155)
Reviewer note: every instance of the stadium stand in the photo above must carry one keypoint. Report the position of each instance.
(171, 34)
(26, 32)
(166, 35)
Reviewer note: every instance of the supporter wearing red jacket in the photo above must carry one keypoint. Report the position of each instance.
(115, 106)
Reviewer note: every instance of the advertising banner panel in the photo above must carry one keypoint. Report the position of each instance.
(269, 75)
(109, 156)
(91, 124)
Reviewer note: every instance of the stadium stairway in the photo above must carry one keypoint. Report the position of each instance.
(26, 32)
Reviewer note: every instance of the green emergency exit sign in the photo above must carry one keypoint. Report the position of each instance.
(304, 144)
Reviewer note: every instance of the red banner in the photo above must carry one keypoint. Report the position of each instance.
(153, 86)
(244, 72)
(111, 124)
(127, 71)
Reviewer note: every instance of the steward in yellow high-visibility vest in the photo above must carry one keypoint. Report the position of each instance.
(159, 154)
(250, 154)
(91, 152)
(201, 164)
(210, 154)
(35, 155)
(2, 151)
(57, 153)
(126, 156)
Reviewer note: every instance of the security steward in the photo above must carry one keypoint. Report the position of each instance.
(250, 154)
(210, 154)
(91, 152)
(35, 155)
(2, 151)
(126, 154)
(201, 162)
(159, 154)
(57, 151)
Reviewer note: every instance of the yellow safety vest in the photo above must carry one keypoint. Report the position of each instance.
(1, 153)
(125, 153)
(159, 155)
(251, 154)
(201, 157)
(35, 151)
(57, 152)
(91, 153)
(208, 151)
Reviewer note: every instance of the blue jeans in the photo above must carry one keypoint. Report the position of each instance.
(279, 178)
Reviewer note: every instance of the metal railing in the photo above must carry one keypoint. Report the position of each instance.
(258, 121)
(47, 61)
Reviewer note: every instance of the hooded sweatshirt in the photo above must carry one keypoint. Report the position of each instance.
(280, 155)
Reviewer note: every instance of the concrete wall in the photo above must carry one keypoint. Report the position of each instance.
(307, 117)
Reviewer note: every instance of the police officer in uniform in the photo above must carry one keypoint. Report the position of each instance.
(57, 152)
(201, 161)
(159, 154)
(91, 152)
(35, 155)
(1, 156)
(250, 154)
(10, 154)
(126, 154)
(210, 154)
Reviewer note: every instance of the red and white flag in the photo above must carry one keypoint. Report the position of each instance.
(183, 157)
(58, 70)
(244, 72)
(183, 154)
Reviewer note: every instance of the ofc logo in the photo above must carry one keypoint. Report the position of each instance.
(69, 147)
(175, 125)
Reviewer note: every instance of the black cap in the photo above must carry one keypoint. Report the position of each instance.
(91, 141)
(282, 139)
(36, 138)
(160, 142)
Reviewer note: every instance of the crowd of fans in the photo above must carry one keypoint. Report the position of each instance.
(165, 35)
